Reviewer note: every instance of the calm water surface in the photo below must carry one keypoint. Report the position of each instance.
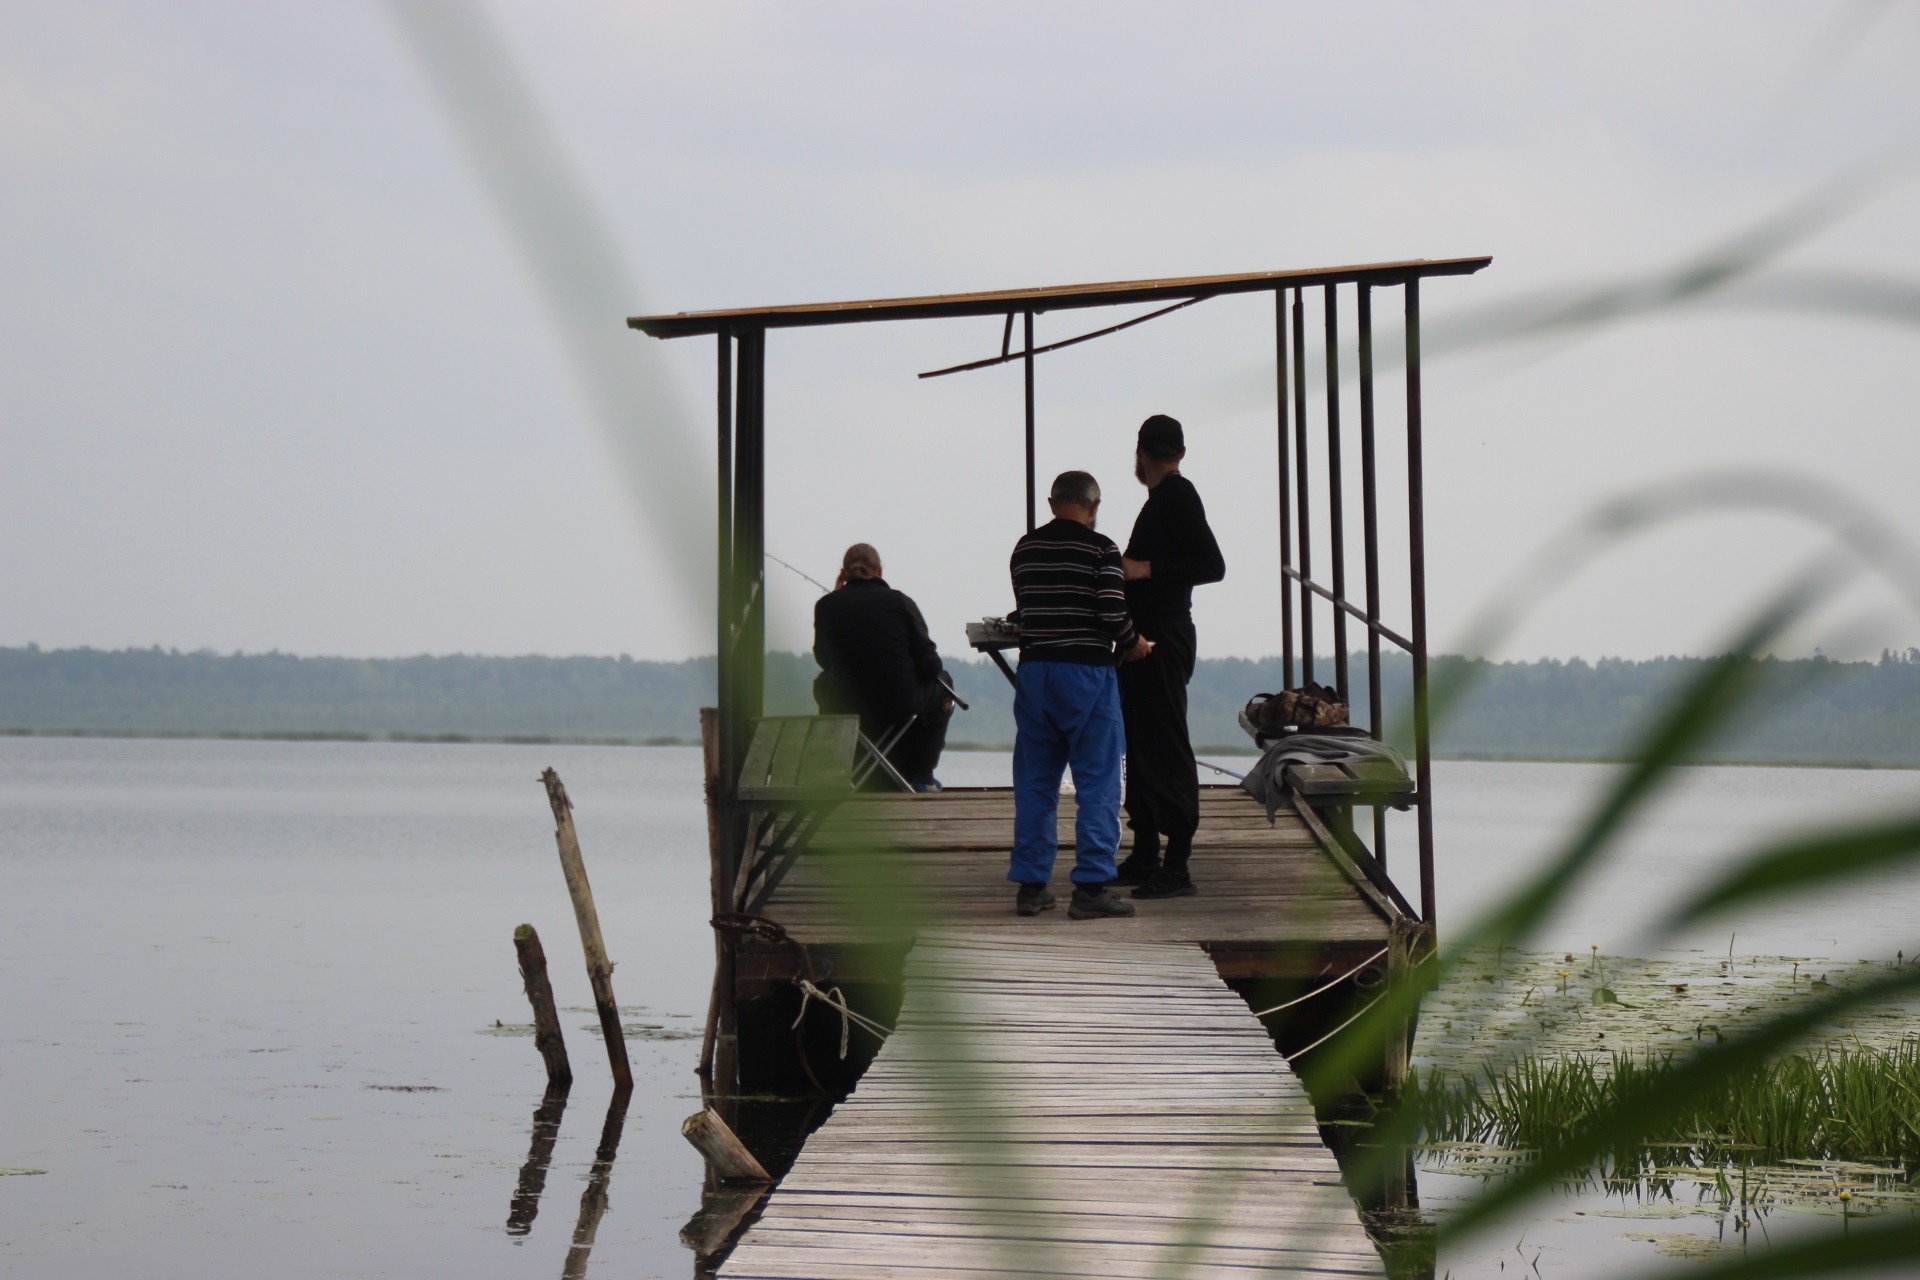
(245, 988)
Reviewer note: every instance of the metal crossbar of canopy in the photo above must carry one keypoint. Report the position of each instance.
(740, 390)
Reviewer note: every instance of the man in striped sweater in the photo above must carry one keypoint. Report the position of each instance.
(1074, 628)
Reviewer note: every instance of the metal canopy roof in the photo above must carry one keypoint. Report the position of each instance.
(1053, 298)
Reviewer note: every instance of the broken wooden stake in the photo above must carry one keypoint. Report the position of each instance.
(546, 1021)
(726, 1155)
(599, 968)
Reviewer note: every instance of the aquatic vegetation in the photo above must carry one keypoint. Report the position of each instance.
(1844, 1102)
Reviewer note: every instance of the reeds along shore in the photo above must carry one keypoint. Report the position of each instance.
(1839, 1103)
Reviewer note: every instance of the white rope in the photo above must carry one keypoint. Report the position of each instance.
(837, 1000)
(1298, 1054)
(1330, 986)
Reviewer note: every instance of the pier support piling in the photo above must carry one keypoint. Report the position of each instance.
(599, 968)
(719, 1051)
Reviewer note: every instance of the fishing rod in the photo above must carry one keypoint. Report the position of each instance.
(824, 589)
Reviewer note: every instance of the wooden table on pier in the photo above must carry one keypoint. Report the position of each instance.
(1055, 1105)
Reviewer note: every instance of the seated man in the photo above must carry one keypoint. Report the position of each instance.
(877, 662)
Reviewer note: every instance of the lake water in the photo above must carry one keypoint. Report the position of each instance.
(246, 987)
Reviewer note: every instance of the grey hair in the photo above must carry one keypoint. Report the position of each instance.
(1076, 487)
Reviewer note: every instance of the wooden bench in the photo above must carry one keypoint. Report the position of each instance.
(1355, 782)
(797, 770)
(794, 758)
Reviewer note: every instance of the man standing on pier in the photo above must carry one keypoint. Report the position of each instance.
(1074, 626)
(1171, 552)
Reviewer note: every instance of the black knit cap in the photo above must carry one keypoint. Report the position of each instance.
(1161, 438)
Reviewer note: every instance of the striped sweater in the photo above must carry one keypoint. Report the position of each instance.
(1071, 595)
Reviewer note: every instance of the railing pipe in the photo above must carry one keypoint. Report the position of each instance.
(1349, 608)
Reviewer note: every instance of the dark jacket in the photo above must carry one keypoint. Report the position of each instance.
(876, 658)
(1171, 533)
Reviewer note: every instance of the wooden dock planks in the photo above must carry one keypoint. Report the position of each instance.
(1064, 1106)
(888, 865)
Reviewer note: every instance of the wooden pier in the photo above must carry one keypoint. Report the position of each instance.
(1064, 1103)
(1286, 901)
(819, 888)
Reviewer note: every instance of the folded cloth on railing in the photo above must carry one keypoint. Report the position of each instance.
(1336, 744)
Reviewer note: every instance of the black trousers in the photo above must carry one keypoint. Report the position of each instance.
(917, 753)
(1163, 785)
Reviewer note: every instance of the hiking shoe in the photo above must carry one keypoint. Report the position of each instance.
(1167, 883)
(1136, 870)
(1091, 904)
(1031, 902)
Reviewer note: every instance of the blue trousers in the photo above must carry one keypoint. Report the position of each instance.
(1066, 713)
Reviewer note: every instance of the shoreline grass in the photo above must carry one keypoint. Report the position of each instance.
(1842, 1102)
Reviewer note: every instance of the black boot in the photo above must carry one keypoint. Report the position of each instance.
(1171, 880)
(1167, 883)
(1140, 864)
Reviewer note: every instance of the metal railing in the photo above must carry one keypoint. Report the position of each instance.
(1299, 589)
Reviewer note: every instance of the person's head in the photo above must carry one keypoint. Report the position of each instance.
(860, 564)
(1075, 496)
(1161, 446)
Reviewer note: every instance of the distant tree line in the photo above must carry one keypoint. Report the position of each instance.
(1813, 711)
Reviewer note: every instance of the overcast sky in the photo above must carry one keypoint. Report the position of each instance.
(275, 375)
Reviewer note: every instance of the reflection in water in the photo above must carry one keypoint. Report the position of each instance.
(533, 1174)
(593, 1202)
(725, 1212)
(772, 1126)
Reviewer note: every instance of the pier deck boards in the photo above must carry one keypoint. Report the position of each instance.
(1064, 1105)
(884, 867)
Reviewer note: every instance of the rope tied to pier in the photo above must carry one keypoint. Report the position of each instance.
(1298, 1054)
(837, 999)
(1351, 973)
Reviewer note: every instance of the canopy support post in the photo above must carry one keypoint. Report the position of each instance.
(1033, 480)
(1417, 575)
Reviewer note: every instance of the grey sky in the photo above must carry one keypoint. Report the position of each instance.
(274, 376)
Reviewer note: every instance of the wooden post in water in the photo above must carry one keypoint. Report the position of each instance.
(599, 968)
(725, 1154)
(546, 1022)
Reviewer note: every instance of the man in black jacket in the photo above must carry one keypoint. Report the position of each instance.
(1171, 552)
(878, 662)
